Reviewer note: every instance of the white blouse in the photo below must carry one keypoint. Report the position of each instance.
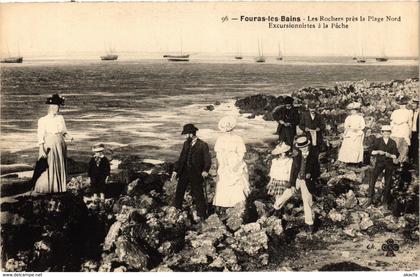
(354, 121)
(50, 124)
(281, 168)
(401, 123)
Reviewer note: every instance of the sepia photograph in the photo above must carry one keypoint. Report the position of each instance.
(209, 137)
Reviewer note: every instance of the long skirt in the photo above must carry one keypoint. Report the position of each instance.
(351, 150)
(54, 179)
(230, 186)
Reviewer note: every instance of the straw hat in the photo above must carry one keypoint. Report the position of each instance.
(227, 123)
(386, 128)
(354, 106)
(281, 148)
(98, 147)
(301, 142)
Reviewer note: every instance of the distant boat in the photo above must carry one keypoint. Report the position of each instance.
(177, 58)
(280, 56)
(381, 59)
(354, 58)
(12, 60)
(361, 59)
(110, 55)
(238, 55)
(260, 58)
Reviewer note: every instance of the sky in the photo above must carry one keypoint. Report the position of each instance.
(52, 29)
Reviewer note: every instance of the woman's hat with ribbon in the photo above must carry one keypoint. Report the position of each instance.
(281, 148)
(55, 99)
(227, 123)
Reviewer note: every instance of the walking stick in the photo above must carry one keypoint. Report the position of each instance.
(205, 194)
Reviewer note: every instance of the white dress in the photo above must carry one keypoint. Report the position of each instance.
(401, 121)
(51, 131)
(232, 173)
(351, 150)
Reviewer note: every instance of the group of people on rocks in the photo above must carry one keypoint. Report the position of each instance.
(295, 165)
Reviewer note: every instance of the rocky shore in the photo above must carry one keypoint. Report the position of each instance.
(135, 228)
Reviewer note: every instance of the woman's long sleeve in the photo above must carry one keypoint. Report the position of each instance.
(41, 131)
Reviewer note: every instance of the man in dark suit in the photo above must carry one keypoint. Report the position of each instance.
(191, 168)
(303, 176)
(413, 152)
(386, 152)
(313, 125)
(288, 119)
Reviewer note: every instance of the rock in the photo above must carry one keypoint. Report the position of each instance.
(120, 269)
(112, 235)
(235, 216)
(366, 223)
(347, 201)
(89, 266)
(271, 225)
(261, 208)
(336, 216)
(209, 108)
(217, 103)
(162, 268)
(131, 254)
(250, 239)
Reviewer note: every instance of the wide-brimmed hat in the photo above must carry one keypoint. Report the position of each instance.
(227, 123)
(386, 128)
(281, 148)
(55, 99)
(301, 142)
(98, 147)
(288, 100)
(354, 106)
(189, 129)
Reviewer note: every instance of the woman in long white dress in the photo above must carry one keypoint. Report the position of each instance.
(51, 133)
(232, 174)
(351, 150)
(401, 124)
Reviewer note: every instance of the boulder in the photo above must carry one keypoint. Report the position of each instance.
(131, 254)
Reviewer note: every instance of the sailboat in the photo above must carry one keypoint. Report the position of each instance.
(280, 56)
(12, 59)
(260, 58)
(110, 56)
(178, 58)
(382, 58)
(361, 59)
(238, 55)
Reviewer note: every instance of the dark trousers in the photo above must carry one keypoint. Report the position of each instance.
(195, 182)
(389, 170)
(413, 151)
(286, 134)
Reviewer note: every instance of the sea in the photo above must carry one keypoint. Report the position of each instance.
(141, 105)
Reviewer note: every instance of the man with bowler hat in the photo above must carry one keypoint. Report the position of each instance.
(191, 168)
(288, 118)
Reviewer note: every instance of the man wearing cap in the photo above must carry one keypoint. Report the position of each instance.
(386, 152)
(302, 176)
(401, 124)
(288, 119)
(414, 147)
(313, 124)
(191, 168)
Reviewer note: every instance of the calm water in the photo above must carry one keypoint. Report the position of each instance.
(146, 103)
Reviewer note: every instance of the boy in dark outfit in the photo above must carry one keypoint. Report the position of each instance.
(386, 152)
(99, 170)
